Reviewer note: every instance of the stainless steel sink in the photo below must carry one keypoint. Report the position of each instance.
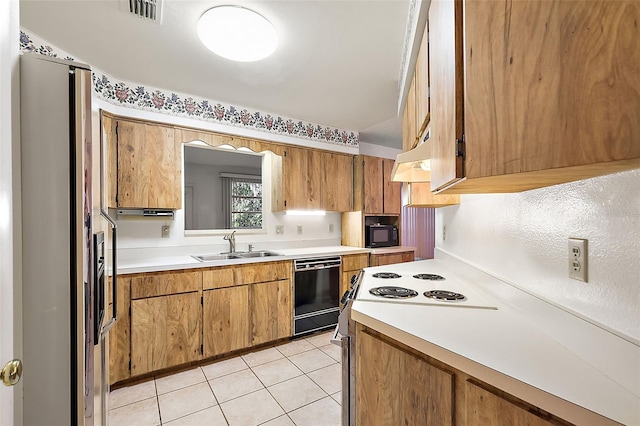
(260, 253)
(219, 256)
(236, 255)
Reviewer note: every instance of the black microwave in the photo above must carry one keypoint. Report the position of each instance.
(380, 236)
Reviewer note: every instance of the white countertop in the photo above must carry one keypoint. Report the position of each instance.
(527, 347)
(165, 263)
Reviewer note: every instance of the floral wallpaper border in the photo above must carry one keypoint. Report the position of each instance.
(146, 98)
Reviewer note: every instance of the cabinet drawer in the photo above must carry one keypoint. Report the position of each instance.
(164, 283)
(355, 262)
(246, 274)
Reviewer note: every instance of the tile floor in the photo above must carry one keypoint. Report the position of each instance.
(296, 383)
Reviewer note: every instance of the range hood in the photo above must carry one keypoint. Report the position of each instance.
(164, 213)
(414, 165)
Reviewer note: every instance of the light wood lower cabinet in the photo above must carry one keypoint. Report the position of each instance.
(120, 333)
(225, 320)
(351, 265)
(391, 258)
(166, 331)
(271, 311)
(397, 385)
(486, 408)
(171, 318)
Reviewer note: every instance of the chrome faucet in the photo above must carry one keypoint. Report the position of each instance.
(232, 241)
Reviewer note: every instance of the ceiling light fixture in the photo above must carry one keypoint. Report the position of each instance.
(236, 33)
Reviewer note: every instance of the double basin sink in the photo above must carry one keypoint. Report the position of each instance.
(235, 255)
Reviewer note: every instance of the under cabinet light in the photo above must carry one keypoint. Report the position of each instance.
(305, 212)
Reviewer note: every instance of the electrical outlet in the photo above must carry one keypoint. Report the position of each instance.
(166, 231)
(331, 227)
(578, 259)
(279, 229)
(444, 232)
(299, 229)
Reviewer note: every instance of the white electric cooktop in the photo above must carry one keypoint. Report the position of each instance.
(413, 283)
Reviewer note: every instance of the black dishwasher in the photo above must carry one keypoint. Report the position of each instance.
(316, 294)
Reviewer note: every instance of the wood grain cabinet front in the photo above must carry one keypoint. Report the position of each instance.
(351, 265)
(513, 110)
(145, 165)
(271, 311)
(395, 387)
(391, 258)
(120, 333)
(226, 318)
(398, 385)
(166, 331)
(316, 180)
(374, 192)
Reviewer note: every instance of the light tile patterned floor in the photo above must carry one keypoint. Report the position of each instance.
(297, 383)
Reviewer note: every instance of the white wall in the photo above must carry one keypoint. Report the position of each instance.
(522, 238)
(10, 236)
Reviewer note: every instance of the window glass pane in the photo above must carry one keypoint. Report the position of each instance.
(246, 203)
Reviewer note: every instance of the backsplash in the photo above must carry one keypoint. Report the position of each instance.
(141, 97)
(522, 238)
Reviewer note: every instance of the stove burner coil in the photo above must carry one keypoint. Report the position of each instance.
(431, 277)
(393, 292)
(447, 296)
(386, 275)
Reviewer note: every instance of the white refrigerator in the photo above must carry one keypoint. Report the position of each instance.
(65, 323)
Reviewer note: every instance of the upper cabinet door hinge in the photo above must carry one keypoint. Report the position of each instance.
(460, 147)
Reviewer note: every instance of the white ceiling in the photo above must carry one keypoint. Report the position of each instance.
(338, 62)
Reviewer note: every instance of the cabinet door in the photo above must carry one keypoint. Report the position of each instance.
(409, 115)
(149, 166)
(392, 190)
(337, 185)
(373, 184)
(300, 180)
(225, 320)
(422, 83)
(165, 331)
(120, 334)
(487, 409)
(394, 387)
(445, 61)
(271, 311)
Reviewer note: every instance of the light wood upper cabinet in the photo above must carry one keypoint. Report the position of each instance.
(409, 116)
(148, 166)
(337, 184)
(374, 192)
(314, 180)
(300, 180)
(421, 76)
(555, 100)
(391, 190)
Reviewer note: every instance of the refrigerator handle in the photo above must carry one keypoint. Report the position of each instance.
(114, 271)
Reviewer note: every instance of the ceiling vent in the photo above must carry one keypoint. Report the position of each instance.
(147, 9)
